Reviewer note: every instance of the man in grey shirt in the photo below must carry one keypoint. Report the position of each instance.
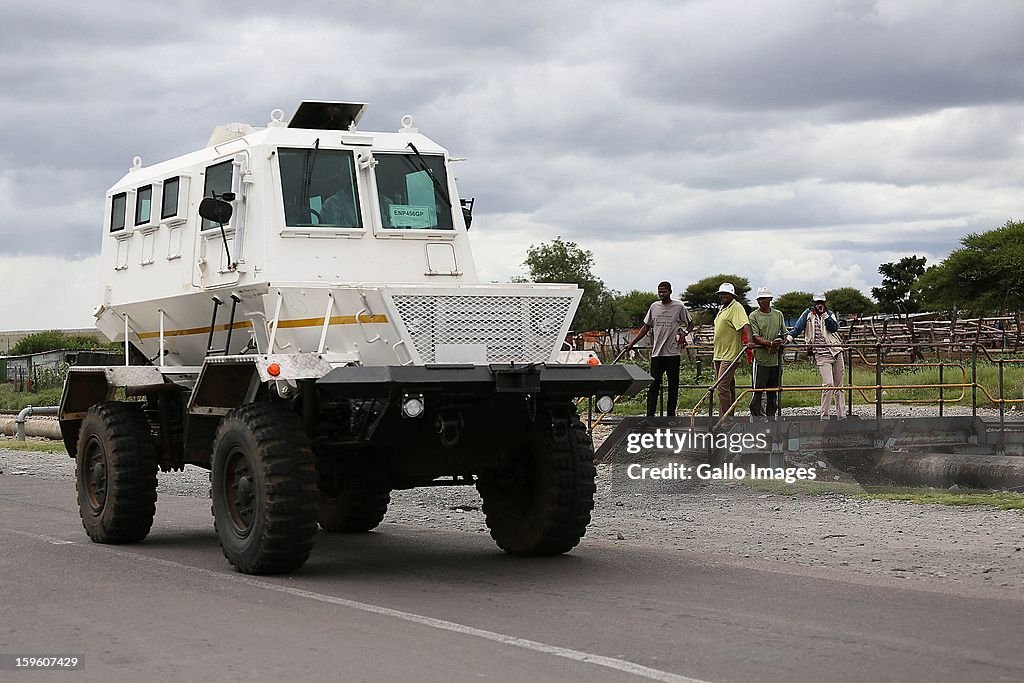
(666, 320)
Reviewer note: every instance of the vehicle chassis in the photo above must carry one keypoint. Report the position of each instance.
(293, 443)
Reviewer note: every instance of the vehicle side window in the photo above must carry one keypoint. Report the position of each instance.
(218, 181)
(143, 204)
(169, 199)
(118, 206)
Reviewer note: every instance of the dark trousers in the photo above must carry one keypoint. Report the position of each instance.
(765, 377)
(660, 365)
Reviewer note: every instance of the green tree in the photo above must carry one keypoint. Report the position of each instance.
(634, 305)
(897, 293)
(937, 288)
(850, 300)
(792, 304)
(562, 261)
(53, 340)
(983, 276)
(703, 294)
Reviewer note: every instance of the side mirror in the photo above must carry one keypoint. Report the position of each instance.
(215, 210)
(467, 210)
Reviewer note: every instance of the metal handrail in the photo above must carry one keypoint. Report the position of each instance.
(711, 390)
(327, 322)
(995, 396)
(751, 390)
(879, 387)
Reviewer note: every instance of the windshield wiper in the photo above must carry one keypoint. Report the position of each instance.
(307, 171)
(438, 188)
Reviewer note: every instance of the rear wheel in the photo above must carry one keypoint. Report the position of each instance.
(538, 499)
(354, 503)
(115, 473)
(263, 485)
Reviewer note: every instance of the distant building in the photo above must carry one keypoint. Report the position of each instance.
(25, 367)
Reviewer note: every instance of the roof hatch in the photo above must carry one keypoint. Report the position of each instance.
(318, 115)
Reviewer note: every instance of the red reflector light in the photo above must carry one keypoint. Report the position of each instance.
(273, 369)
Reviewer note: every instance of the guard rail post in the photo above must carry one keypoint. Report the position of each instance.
(1002, 404)
(974, 379)
(878, 381)
(849, 381)
(941, 400)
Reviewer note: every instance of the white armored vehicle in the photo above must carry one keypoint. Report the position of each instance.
(301, 315)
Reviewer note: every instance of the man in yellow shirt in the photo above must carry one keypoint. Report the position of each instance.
(731, 324)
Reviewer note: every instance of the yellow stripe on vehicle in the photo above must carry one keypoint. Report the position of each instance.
(285, 324)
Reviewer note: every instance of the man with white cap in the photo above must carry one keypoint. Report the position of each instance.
(731, 324)
(820, 331)
(769, 328)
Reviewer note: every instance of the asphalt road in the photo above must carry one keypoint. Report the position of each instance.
(437, 605)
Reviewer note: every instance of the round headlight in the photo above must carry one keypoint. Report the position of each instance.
(605, 404)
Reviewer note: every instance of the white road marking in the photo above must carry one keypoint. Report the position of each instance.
(440, 624)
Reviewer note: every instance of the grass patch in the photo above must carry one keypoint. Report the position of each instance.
(15, 400)
(920, 496)
(999, 499)
(34, 446)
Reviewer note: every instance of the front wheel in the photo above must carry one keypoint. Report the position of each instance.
(537, 500)
(263, 485)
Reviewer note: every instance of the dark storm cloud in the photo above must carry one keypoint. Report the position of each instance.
(674, 117)
(941, 243)
(872, 58)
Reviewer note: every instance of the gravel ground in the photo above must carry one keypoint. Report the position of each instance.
(958, 549)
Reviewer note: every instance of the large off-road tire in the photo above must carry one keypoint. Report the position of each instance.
(538, 500)
(353, 502)
(115, 473)
(263, 486)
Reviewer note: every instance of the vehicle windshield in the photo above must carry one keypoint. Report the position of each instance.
(409, 197)
(319, 189)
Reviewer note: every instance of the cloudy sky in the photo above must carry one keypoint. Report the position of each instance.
(800, 143)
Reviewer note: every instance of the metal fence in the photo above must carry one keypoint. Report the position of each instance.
(957, 380)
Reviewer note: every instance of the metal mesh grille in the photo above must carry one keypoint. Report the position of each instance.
(514, 328)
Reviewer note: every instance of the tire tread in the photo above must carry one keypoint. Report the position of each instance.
(130, 506)
(567, 494)
(284, 458)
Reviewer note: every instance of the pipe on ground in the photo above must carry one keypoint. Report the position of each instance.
(22, 426)
(944, 470)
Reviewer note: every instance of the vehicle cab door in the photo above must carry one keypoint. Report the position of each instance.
(219, 249)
